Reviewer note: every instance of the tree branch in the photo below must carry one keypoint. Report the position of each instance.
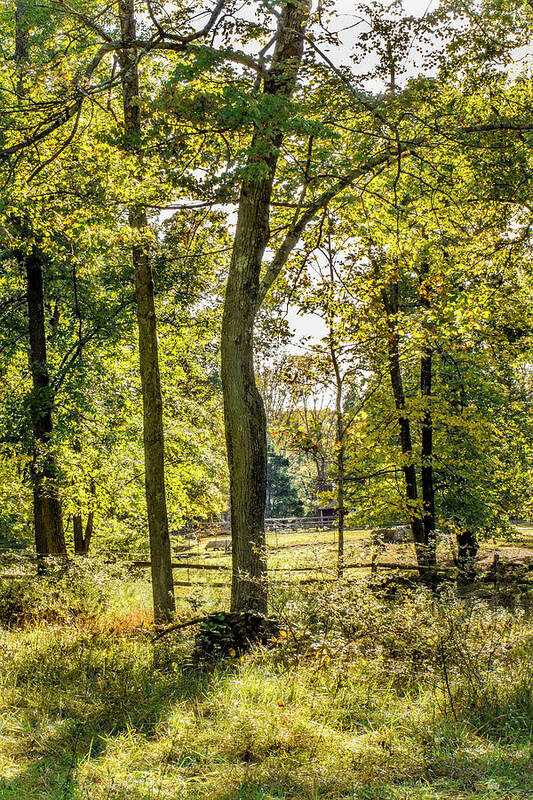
(298, 226)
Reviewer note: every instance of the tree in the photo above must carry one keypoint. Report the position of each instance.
(243, 406)
(154, 445)
(282, 498)
(47, 515)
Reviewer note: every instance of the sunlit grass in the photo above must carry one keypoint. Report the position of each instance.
(365, 714)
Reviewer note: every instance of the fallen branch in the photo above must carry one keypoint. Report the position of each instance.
(177, 627)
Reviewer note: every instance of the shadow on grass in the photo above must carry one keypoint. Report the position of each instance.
(72, 699)
(74, 695)
(500, 777)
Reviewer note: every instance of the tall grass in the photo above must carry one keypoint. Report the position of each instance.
(361, 697)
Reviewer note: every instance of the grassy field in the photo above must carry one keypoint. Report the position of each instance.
(417, 698)
(302, 555)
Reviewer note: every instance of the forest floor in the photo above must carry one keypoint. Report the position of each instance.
(363, 696)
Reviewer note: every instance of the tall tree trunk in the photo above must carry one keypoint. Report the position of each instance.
(77, 531)
(48, 522)
(89, 530)
(154, 449)
(426, 377)
(49, 535)
(244, 413)
(340, 492)
(428, 489)
(339, 444)
(82, 540)
(390, 302)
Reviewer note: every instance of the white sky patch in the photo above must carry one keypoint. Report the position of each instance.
(308, 328)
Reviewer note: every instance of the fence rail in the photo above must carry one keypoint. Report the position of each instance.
(288, 524)
(299, 523)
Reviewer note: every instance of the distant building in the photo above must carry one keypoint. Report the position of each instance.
(327, 514)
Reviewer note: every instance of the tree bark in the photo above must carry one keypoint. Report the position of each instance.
(390, 302)
(154, 449)
(89, 530)
(339, 444)
(428, 487)
(49, 535)
(340, 490)
(244, 413)
(48, 522)
(82, 540)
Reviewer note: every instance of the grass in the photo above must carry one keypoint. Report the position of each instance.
(363, 698)
(316, 551)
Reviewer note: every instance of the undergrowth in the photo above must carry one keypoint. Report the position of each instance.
(360, 696)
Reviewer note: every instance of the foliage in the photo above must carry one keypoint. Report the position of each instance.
(282, 494)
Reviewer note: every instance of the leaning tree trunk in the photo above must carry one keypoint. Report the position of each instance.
(244, 414)
(154, 449)
(423, 553)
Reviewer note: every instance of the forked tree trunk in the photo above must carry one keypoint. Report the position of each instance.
(82, 540)
(154, 449)
(425, 557)
(244, 414)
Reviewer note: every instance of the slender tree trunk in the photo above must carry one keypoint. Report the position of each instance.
(89, 530)
(49, 535)
(339, 444)
(48, 523)
(428, 489)
(77, 530)
(154, 450)
(390, 302)
(244, 413)
(82, 540)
